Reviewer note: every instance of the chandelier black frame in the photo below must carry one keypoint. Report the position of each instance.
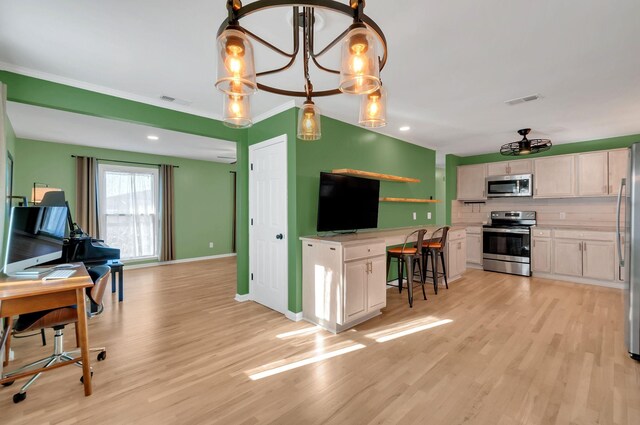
(306, 21)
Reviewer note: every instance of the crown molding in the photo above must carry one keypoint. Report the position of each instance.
(4, 66)
(275, 111)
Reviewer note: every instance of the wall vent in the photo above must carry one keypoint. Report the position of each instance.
(524, 99)
(175, 100)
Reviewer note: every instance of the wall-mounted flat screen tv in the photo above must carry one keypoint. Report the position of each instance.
(347, 203)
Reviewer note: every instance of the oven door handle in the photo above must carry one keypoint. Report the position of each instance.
(500, 230)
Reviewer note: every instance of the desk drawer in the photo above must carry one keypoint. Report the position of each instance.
(363, 251)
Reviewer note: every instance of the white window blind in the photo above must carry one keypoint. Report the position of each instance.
(129, 210)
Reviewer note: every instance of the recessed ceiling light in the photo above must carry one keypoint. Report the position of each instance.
(405, 128)
(152, 137)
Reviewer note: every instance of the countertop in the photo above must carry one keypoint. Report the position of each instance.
(395, 236)
(552, 227)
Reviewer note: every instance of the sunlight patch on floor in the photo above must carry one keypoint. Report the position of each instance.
(299, 332)
(305, 362)
(407, 329)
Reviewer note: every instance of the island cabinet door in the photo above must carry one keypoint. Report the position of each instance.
(355, 289)
(377, 283)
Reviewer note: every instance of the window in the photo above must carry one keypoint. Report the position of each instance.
(129, 210)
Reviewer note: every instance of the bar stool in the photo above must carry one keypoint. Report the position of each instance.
(407, 257)
(434, 248)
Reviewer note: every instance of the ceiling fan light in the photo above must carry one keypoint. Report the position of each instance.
(359, 67)
(309, 126)
(236, 67)
(525, 147)
(373, 109)
(237, 111)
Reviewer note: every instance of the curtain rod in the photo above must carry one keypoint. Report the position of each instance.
(128, 162)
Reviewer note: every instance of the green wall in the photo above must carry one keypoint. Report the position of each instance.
(453, 161)
(347, 146)
(203, 190)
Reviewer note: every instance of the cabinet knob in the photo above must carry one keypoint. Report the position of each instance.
(279, 236)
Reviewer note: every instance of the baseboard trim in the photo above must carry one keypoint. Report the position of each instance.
(184, 260)
(296, 317)
(242, 298)
(579, 280)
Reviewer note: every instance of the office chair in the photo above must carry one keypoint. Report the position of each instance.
(57, 319)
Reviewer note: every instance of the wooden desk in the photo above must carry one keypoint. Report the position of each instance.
(18, 296)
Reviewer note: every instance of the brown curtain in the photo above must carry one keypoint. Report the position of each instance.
(168, 226)
(87, 195)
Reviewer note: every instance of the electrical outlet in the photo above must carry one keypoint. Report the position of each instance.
(428, 216)
(210, 244)
(563, 215)
(415, 216)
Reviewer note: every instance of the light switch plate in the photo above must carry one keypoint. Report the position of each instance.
(428, 216)
(210, 244)
(415, 216)
(563, 215)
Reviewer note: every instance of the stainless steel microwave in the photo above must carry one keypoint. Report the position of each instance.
(509, 185)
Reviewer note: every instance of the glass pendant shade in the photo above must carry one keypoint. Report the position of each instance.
(359, 67)
(309, 122)
(237, 111)
(236, 68)
(373, 109)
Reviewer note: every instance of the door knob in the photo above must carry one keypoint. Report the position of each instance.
(279, 236)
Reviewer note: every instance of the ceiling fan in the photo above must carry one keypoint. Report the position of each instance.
(525, 146)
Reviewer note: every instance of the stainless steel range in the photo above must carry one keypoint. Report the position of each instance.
(506, 242)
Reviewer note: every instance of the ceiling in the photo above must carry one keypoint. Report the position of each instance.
(452, 65)
(36, 123)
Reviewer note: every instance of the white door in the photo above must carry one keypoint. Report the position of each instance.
(268, 262)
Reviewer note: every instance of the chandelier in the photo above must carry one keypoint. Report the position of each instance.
(525, 146)
(359, 67)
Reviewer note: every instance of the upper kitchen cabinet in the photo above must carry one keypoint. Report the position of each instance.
(618, 168)
(471, 182)
(554, 176)
(592, 173)
(522, 166)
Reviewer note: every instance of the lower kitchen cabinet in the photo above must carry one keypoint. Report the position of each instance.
(541, 255)
(474, 245)
(598, 260)
(456, 254)
(343, 284)
(589, 255)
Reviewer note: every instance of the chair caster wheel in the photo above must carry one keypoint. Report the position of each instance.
(102, 355)
(82, 378)
(7, 384)
(18, 397)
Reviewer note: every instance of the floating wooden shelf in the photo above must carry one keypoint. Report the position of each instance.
(414, 200)
(376, 176)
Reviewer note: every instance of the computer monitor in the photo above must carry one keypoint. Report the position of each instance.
(36, 235)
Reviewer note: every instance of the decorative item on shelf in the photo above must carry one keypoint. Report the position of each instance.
(359, 70)
(373, 109)
(525, 146)
(39, 190)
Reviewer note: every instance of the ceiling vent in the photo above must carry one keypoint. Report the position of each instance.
(175, 100)
(524, 99)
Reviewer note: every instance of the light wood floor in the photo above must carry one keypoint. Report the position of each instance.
(180, 351)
